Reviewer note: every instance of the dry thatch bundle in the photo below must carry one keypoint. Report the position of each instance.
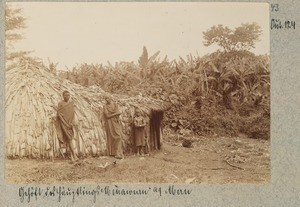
(32, 95)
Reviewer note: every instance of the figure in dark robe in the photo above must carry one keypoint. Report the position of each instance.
(65, 123)
(113, 129)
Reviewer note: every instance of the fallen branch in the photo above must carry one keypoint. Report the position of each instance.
(234, 165)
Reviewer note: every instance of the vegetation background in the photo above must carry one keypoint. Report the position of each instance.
(223, 93)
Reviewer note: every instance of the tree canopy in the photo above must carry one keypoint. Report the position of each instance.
(13, 21)
(243, 37)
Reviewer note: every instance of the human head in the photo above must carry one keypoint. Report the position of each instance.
(66, 95)
(109, 99)
(138, 112)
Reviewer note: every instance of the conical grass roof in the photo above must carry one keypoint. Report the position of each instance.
(32, 96)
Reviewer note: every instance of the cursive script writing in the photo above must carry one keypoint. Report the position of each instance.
(28, 194)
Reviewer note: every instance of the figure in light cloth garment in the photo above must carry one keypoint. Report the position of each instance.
(139, 131)
(65, 119)
(113, 128)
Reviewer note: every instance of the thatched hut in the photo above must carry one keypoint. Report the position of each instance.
(32, 95)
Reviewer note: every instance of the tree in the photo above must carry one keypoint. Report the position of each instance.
(14, 22)
(143, 60)
(147, 63)
(243, 37)
(232, 66)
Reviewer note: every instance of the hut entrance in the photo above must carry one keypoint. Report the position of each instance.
(155, 129)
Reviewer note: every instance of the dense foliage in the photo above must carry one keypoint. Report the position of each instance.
(221, 93)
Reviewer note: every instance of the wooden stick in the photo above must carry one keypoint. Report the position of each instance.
(234, 165)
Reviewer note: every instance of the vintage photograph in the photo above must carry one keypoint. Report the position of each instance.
(115, 92)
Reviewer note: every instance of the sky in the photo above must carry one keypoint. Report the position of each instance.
(73, 33)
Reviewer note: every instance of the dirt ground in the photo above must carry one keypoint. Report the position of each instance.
(217, 160)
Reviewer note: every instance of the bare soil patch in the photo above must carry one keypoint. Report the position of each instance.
(214, 160)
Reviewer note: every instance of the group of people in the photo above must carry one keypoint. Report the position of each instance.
(65, 120)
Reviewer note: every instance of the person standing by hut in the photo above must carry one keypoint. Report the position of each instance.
(113, 129)
(65, 120)
(139, 131)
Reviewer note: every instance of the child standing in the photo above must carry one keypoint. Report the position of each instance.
(139, 131)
